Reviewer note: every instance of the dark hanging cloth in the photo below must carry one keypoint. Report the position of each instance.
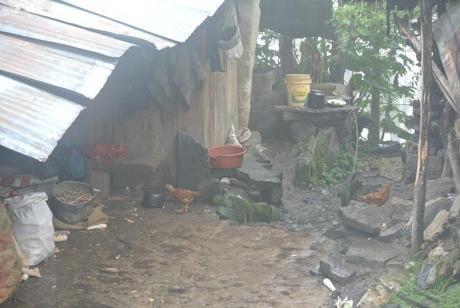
(223, 34)
(176, 69)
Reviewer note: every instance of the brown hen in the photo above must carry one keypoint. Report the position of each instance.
(377, 198)
(183, 196)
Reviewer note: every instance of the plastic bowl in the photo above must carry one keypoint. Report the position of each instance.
(226, 156)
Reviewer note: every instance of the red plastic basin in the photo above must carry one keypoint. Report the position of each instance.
(226, 156)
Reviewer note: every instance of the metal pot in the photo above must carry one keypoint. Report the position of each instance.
(72, 213)
(316, 100)
(153, 199)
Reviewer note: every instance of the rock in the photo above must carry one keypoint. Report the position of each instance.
(391, 233)
(209, 188)
(445, 270)
(193, 165)
(318, 154)
(260, 155)
(349, 189)
(372, 253)
(225, 181)
(374, 297)
(395, 201)
(432, 208)
(439, 188)
(339, 231)
(437, 227)
(335, 269)
(456, 272)
(302, 131)
(238, 183)
(316, 271)
(437, 253)
(455, 210)
(434, 170)
(224, 173)
(254, 140)
(427, 276)
(268, 182)
(362, 217)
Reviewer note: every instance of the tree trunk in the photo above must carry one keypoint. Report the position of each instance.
(249, 17)
(288, 62)
(423, 145)
(338, 69)
(374, 127)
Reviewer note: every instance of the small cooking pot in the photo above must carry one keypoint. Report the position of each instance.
(316, 100)
(153, 199)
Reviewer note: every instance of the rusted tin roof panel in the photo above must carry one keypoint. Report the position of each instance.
(21, 23)
(175, 20)
(84, 19)
(56, 67)
(33, 121)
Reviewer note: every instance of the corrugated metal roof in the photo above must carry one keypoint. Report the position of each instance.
(83, 19)
(56, 67)
(31, 47)
(33, 121)
(172, 19)
(32, 26)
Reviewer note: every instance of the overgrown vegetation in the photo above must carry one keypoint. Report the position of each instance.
(342, 168)
(375, 63)
(441, 294)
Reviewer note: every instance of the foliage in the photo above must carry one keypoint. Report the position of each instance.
(377, 60)
(267, 50)
(342, 168)
(447, 298)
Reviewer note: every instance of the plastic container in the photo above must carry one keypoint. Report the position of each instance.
(72, 213)
(298, 88)
(226, 156)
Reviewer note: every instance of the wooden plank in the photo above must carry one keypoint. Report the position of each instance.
(308, 110)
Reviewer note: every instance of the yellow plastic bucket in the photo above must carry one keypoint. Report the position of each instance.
(298, 88)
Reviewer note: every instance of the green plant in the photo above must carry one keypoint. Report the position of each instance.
(436, 296)
(342, 168)
(377, 61)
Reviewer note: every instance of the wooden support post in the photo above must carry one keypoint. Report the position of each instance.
(425, 113)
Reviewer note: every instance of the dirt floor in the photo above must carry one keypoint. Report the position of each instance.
(159, 258)
(165, 259)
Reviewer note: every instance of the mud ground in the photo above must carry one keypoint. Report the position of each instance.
(165, 259)
(159, 258)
